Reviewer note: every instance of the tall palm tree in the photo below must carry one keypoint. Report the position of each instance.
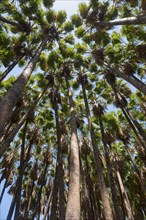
(9, 101)
(6, 142)
(58, 190)
(99, 111)
(99, 168)
(73, 208)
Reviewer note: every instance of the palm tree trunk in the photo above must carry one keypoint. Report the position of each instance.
(99, 168)
(94, 209)
(124, 196)
(20, 175)
(137, 125)
(127, 116)
(59, 167)
(48, 205)
(11, 210)
(40, 192)
(5, 144)
(118, 213)
(11, 66)
(62, 200)
(88, 209)
(140, 140)
(18, 25)
(140, 19)
(73, 202)
(29, 200)
(136, 83)
(3, 190)
(53, 215)
(9, 101)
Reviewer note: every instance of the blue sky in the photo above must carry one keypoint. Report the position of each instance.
(70, 6)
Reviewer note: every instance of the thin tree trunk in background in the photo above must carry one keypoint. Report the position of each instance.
(62, 201)
(137, 125)
(10, 67)
(26, 214)
(17, 195)
(124, 196)
(58, 173)
(3, 190)
(8, 102)
(40, 192)
(20, 174)
(118, 213)
(140, 19)
(140, 140)
(73, 202)
(127, 116)
(88, 210)
(94, 208)
(53, 215)
(18, 25)
(5, 144)
(136, 83)
(102, 186)
(48, 205)
(11, 210)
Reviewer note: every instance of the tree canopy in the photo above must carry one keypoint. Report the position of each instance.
(72, 122)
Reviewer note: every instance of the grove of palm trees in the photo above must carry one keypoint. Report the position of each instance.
(73, 121)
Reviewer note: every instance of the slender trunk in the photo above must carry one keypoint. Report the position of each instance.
(94, 209)
(26, 214)
(62, 200)
(25, 27)
(99, 168)
(125, 197)
(18, 25)
(118, 213)
(48, 205)
(17, 195)
(127, 116)
(20, 175)
(136, 83)
(5, 144)
(9, 101)
(59, 167)
(11, 210)
(15, 117)
(11, 66)
(140, 140)
(137, 125)
(73, 202)
(139, 180)
(140, 19)
(88, 211)
(40, 192)
(53, 215)
(3, 190)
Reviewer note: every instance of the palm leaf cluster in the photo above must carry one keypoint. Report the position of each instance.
(72, 122)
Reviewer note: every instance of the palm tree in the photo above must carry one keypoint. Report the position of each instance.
(58, 190)
(99, 111)
(99, 169)
(9, 101)
(9, 138)
(73, 208)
